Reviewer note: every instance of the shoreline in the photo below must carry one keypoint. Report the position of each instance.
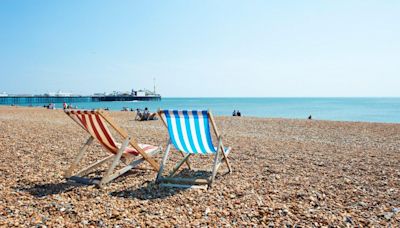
(229, 116)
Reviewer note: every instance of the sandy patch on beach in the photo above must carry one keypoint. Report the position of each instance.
(295, 172)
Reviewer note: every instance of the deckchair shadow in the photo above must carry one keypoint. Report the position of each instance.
(42, 190)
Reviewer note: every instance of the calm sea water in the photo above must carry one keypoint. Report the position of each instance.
(343, 109)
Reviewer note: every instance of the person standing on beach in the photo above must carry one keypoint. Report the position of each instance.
(146, 113)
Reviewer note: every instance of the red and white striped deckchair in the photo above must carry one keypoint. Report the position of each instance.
(95, 123)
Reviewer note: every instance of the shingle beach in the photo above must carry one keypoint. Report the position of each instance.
(285, 172)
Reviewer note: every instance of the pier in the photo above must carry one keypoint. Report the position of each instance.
(14, 100)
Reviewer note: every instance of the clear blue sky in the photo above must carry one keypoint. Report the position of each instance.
(202, 48)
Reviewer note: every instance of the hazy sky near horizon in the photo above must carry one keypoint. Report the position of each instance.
(202, 48)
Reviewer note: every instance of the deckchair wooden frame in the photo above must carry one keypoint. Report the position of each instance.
(115, 158)
(202, 182)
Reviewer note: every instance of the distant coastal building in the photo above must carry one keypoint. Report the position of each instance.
(58, 94)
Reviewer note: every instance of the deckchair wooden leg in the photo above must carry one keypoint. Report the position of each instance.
(216, 164)
(130, 166)
(78, 158)
(187, 160)
(214, 171)
(225, 159)
(86, 170)
(164, 160)
(179, 165)
(225, 155)
(123, 170)
(117, 159)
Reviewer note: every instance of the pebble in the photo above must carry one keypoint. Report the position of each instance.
(287, 173)
(388, 215)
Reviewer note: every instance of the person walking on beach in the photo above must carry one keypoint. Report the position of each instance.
(238, 113)
(234, 113)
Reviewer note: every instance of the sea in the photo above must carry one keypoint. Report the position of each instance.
(384, 110)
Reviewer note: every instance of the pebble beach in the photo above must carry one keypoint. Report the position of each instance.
(297, 173)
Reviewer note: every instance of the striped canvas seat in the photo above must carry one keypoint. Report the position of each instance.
(94, 124)
(190, 131)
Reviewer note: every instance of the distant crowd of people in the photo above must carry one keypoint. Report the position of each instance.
(69, 106)
(141, 114)
(65, 106)
(236, 113)
(50, 106)
(145, 115)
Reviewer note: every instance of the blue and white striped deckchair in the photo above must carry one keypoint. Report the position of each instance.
(189, 132)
